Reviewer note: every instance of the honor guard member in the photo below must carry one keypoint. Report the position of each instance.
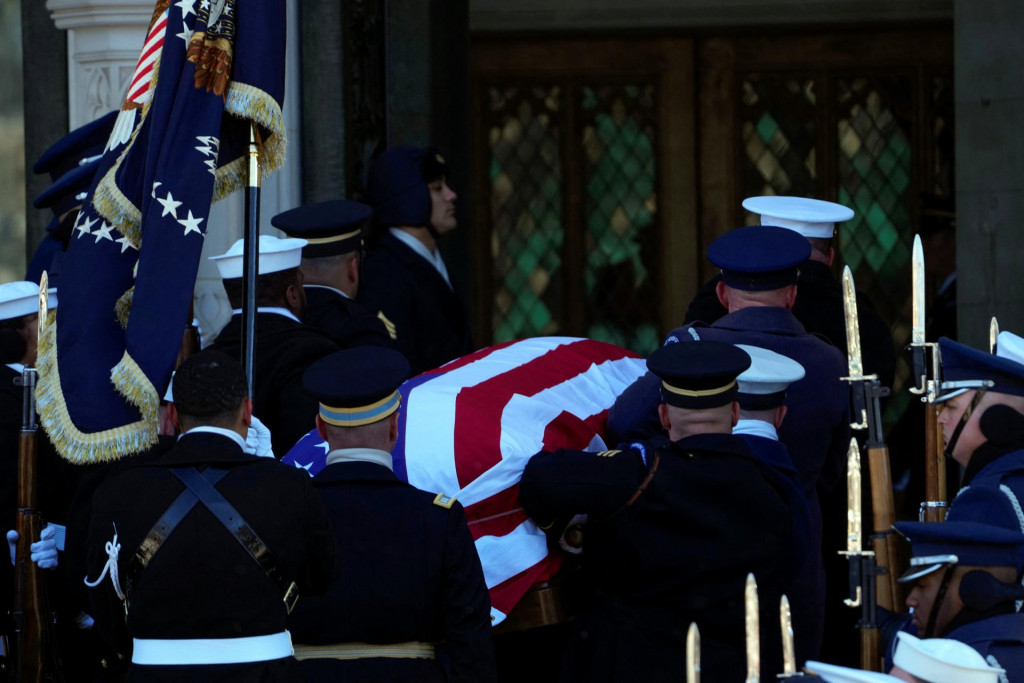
(762, 401)
(941, 660)
(410, 603)
(759, 269)
(71, 163)
(405, 276)
(330, 268)
(284, 346)
(966, 577)
(819, 303)
(199, 554)
(982, 415)
(674, 526)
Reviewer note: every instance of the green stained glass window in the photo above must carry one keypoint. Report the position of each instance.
(620, 204)
(875, 163)
(778, 127)
(526, 210)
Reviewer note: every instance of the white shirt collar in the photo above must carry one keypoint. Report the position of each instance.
(270, 309)
(17, 367)
(230, 433)
(756, 428)
(332, 289)
(433, 258)
(373, 455)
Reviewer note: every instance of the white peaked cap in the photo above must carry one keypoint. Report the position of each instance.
(1010, 346)
(769, 372)
(276, 254)
(841, 674)
(809, 217)
(942, 660)
(22, 298)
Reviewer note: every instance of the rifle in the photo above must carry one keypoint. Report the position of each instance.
(865, 393)
(863, 571)
(933, 508)
(31, 626)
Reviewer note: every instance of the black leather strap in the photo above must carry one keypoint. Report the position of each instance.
(227, 515)
(181, 506)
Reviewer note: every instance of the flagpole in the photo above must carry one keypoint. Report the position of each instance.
(250, 262)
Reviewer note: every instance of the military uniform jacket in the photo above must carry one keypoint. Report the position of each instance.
(1000, 640)
(429, 318)
(807, 591)
(202, 583)
(679, 553)
(343, 320)
(411, 573)
(284, 349)
(819, 308)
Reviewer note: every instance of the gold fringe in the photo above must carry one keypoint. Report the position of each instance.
(248, 102)
(81, 447)
(123, 307)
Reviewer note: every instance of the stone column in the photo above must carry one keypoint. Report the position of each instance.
(104, 39)
(989, 166)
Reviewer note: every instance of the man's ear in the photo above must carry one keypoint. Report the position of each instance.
(393, 428)
(790, 297)
(663, 416)
(780, 415)
(722, 291)
(294, 296)
(735, 413)
(172, 417)
(830, 257)
(321, 427)
(247, 411)
(352, 272)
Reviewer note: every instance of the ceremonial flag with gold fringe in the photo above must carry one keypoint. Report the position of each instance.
(207, 70)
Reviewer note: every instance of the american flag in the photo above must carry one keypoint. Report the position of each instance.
(468, 428)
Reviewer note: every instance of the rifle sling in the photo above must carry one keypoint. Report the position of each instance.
(199, 488)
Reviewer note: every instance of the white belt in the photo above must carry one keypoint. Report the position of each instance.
(154, 652)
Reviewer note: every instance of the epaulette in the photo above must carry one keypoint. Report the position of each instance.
(443, 500)
(388, 325)
(607, 454)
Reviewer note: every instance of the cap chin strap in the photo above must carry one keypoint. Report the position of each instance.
(940, 597)
(978, 395)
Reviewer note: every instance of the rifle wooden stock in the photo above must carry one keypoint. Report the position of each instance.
(885, 542)
(28, 607)
(870, 649)
(935, 465)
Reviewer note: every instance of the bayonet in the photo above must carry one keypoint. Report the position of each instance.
(693, 654)
(993, 334)
(918, 345)
(856, 367)
(854, 533)
(44, 293)
(753, 629)
(788, 645)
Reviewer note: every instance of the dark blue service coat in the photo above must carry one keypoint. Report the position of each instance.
(679, 553)
(343, 320)
(410, 573)
(429, 317)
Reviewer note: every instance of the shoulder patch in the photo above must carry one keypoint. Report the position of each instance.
(671, 339)
(693, 333)
(608, 454)
(443, 500)
(640, 448)
(388, 325)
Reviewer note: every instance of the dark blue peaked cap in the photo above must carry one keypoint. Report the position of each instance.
(982, 529)
(965, 368)
(397, 185)
(698, 375)
(81, 143)
(759, 258)
(357, 386)
(61, 195)
(333, 227)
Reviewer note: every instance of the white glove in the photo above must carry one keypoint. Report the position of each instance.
(43, 552)
(257, 440)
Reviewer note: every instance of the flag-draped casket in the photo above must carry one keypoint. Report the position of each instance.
(206, 72)
(468, 428)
